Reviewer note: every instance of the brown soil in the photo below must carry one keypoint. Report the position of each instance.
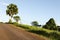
(11, 32)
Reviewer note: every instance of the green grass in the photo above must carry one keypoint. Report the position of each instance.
(52, 34)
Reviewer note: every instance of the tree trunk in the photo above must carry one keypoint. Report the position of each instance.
(11, 18)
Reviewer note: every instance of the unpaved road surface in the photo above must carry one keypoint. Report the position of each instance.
(11, 32)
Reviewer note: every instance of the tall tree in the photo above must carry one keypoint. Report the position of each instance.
(34, 23)
(17, 18)
(11, 10)
(50, 25)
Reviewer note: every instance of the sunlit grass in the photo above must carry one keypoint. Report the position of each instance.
(52, 34)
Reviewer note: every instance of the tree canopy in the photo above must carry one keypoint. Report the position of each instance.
(34, 23)
(12, 10)
(17, 18)
(50, 25)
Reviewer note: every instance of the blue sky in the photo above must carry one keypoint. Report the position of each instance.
(33, 10)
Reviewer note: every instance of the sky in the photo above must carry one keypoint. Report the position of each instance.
(32, 10)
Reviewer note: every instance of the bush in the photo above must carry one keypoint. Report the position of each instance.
(55, 35)
(10, 21)
(50, 25)
(24, 26)
(51, 35)
(40, 32)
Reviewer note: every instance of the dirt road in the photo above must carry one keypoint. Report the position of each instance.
(11, 32)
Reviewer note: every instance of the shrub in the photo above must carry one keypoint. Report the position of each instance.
(10, 21)
(40, 32)
(55, 35)
(50, 25)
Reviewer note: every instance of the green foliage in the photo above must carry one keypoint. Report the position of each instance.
(11, 10)
(50, 25)
(34, 23)
(52, 34)
(24, 26)
(55, 35)
(58, 27)
(40, 32)
(15, 23)
(17, 18)
(10, 21)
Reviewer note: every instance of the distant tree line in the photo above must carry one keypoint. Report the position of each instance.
(12, 10)
(35, 23)
(51, 25)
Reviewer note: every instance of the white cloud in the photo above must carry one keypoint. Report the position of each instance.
(3, 3)
(58, 24)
